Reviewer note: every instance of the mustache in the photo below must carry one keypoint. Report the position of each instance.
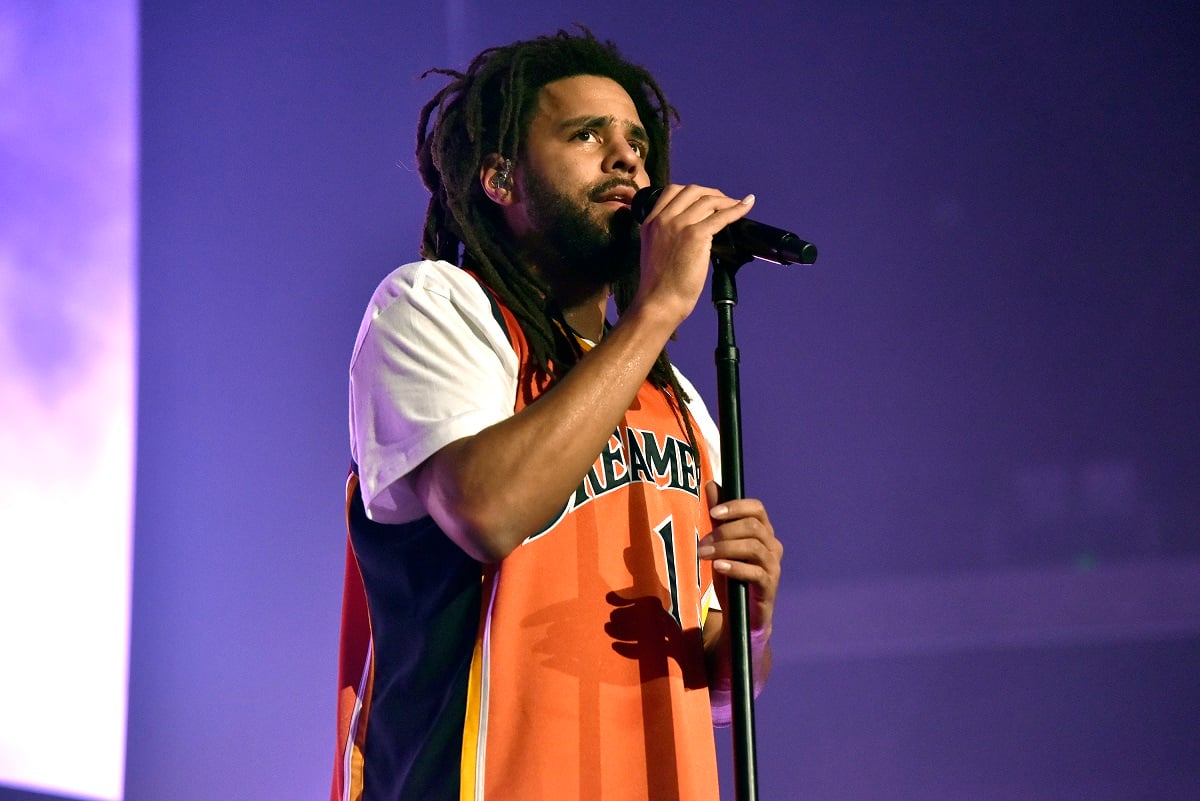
(607, 186)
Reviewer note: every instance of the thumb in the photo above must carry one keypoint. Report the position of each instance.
(712, 491)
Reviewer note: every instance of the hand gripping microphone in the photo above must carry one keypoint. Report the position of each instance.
(742, 239)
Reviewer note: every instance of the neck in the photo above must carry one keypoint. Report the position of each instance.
(584, 303)
(586, 317)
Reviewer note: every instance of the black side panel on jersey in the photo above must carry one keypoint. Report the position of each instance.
(496, 313)
(423, 593)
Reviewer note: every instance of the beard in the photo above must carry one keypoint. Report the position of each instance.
(602, 251)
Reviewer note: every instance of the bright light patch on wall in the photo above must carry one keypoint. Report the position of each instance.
(68, 88)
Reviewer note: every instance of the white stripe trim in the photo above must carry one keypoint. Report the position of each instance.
(484, 676)
(352, 733)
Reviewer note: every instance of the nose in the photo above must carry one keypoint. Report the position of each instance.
(622, 158)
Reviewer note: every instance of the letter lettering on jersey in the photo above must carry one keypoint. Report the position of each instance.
(689, 470)
(664, 463)
(638, 469)
(616, 473)
(632, 455)
(589, 488)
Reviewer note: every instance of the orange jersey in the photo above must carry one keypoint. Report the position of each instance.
(573, 669)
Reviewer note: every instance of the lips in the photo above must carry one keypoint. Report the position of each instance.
(620, 194)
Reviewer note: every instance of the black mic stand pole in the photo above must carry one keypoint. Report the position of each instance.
(724, 297)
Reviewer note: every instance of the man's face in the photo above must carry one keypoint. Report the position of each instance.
(582, 160)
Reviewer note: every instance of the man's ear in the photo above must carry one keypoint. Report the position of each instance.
(496, 178)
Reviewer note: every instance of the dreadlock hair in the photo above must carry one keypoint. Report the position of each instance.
(487, 110)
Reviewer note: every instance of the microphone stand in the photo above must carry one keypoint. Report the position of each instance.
(724, 298)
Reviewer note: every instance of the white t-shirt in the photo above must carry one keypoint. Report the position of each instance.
(432, 365)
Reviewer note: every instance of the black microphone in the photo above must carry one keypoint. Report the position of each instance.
(741, 239)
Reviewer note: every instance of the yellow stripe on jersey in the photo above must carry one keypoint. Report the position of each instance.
(475, 721)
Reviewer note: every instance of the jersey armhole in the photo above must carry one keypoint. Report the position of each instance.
(508, 323)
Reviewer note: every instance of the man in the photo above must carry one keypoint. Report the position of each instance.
(536, 540)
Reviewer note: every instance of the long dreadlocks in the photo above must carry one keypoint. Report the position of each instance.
(486, 111)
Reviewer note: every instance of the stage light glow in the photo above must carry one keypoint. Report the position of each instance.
(68, 357)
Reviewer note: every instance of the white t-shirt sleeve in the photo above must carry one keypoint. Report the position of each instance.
(431, 365)
(712, 439)
(708, 428)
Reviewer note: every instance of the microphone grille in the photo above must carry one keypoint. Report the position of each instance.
(643, 201)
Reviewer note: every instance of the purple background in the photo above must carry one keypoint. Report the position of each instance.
(974, 420)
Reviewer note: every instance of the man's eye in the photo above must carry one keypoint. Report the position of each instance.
(586, 135)
(639, 148)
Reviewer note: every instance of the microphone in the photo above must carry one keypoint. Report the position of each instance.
(741, 239)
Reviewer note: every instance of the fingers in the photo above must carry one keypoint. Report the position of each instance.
(742, 544)
(708, 209)
(744, 549)
(676, 246)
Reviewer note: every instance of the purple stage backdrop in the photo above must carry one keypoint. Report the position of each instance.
(974, 421)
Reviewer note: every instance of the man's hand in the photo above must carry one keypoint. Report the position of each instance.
(742, 546)
(676, 239)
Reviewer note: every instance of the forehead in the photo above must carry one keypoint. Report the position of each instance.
(585, 96)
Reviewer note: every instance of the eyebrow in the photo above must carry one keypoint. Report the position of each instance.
(586, 121)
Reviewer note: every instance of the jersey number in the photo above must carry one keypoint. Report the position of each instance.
(666, 532)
